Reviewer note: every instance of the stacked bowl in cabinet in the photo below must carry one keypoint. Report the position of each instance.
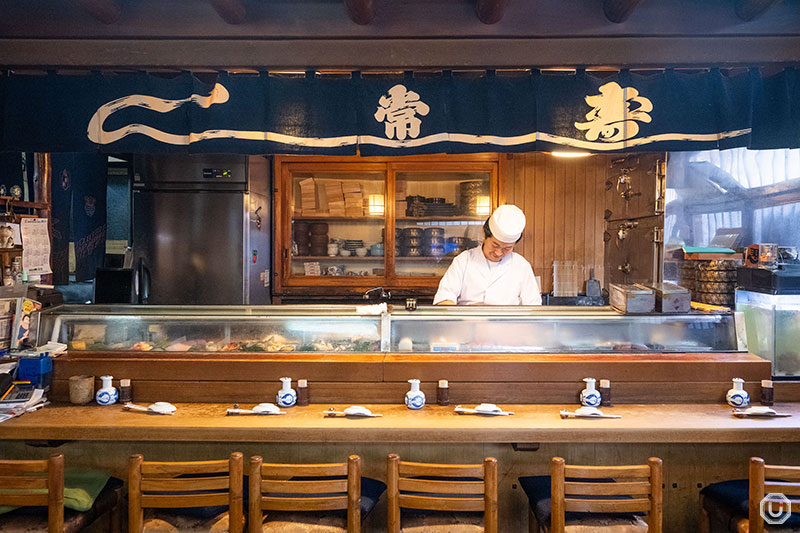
(468, 193)
(711, 282)
(311, 238)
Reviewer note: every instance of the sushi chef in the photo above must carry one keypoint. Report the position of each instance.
(492, 274)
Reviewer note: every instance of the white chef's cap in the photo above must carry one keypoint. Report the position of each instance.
(507, 223)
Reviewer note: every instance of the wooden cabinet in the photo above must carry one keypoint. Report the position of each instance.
(345, 225)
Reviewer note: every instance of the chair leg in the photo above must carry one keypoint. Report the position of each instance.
(533, 524)
(705, 524)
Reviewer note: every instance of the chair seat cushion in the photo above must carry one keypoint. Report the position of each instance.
(537, 488)
(289, 522)
(728, 502)
(169, 521)
(34, 519)
(441, 522)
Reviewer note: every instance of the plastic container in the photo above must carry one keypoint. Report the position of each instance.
(565, 278)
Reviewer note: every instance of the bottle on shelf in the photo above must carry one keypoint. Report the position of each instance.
(8, 279)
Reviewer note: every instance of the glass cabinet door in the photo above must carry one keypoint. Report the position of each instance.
(337, 224)
(439, 213)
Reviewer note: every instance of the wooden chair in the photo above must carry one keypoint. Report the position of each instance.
(172, 485)
(272, 488)
(27, 479)
(726, 500)
(426, 486)
(599, 490)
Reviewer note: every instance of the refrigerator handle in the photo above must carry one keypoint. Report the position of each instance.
(143, 275)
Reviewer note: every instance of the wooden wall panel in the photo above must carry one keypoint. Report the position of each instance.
(564, 202)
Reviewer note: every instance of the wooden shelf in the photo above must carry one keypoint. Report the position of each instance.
(379, 218)
(375, 218)
(14, 250)
(458, 218)
(23, 205)
(338, 257)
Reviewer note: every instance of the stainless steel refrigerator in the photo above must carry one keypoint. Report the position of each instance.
(201, 225)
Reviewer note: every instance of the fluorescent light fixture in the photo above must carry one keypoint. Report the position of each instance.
(570, 154)
(376, 205)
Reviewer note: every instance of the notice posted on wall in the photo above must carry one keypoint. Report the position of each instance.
(35, 246)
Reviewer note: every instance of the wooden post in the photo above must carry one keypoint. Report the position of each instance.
(557, 495)
(748, 10)
(235, 490)
(105, 11)
(55, 492)
(655, 517)
(756, 495)
(490, 11)
(254, 517)
(354, 494)
(490, 495)
(619, 10)
(135, 514)
(360, 11)
(231, 11)
(393, 492)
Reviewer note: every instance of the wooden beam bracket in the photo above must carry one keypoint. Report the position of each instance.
(618, 11)
(231, 11)
(490, 11)
(360, 11)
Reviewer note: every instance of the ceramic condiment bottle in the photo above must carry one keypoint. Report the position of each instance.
(590, 397)
(415, 398)
(107, 394)
(737, 396)
(287, 397)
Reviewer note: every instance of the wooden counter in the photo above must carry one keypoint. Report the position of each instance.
(675, 423)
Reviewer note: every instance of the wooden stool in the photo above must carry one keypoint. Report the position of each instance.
(589, 498)
(433, 487)
(297, 493)
(42, 483)
(735, 505)
(182, 487)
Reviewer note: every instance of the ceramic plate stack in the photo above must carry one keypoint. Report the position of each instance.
(433, 242)
(302, 237)
(411, 241)
(468, 193)
(716, 282)
(319, 238)
(437, 207)
(352, 244)
(415, 206)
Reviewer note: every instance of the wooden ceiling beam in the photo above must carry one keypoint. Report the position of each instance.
(490, 11)
(360, 11)
(748, 10)
(105, 11)
(619, 10)
(231, 11)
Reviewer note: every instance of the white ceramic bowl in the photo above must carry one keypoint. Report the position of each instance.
(162, 407)
(269, 408)
(344, 253)
(760, 410)
(361, 252)
(588, 411)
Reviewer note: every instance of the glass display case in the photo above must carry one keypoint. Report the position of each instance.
(351, 329)
(772, 322)
(100, 328)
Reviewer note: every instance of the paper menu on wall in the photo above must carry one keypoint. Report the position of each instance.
(36, 246)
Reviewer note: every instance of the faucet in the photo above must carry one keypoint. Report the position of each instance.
(382, 296)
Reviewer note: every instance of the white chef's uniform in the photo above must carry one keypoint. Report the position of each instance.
(472, 280)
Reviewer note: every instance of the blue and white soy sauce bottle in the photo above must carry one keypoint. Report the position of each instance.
(590, 396)
(287, 396)
(107, 395)
(737, 397)
(415, 398)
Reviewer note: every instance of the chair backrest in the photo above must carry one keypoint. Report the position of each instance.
(634, 489)
(426, 486)
(27, 479)
(167, 485)
(273, 488)
(771, 479)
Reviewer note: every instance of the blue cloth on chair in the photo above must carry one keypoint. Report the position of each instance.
(537, 488)
(734, 494)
